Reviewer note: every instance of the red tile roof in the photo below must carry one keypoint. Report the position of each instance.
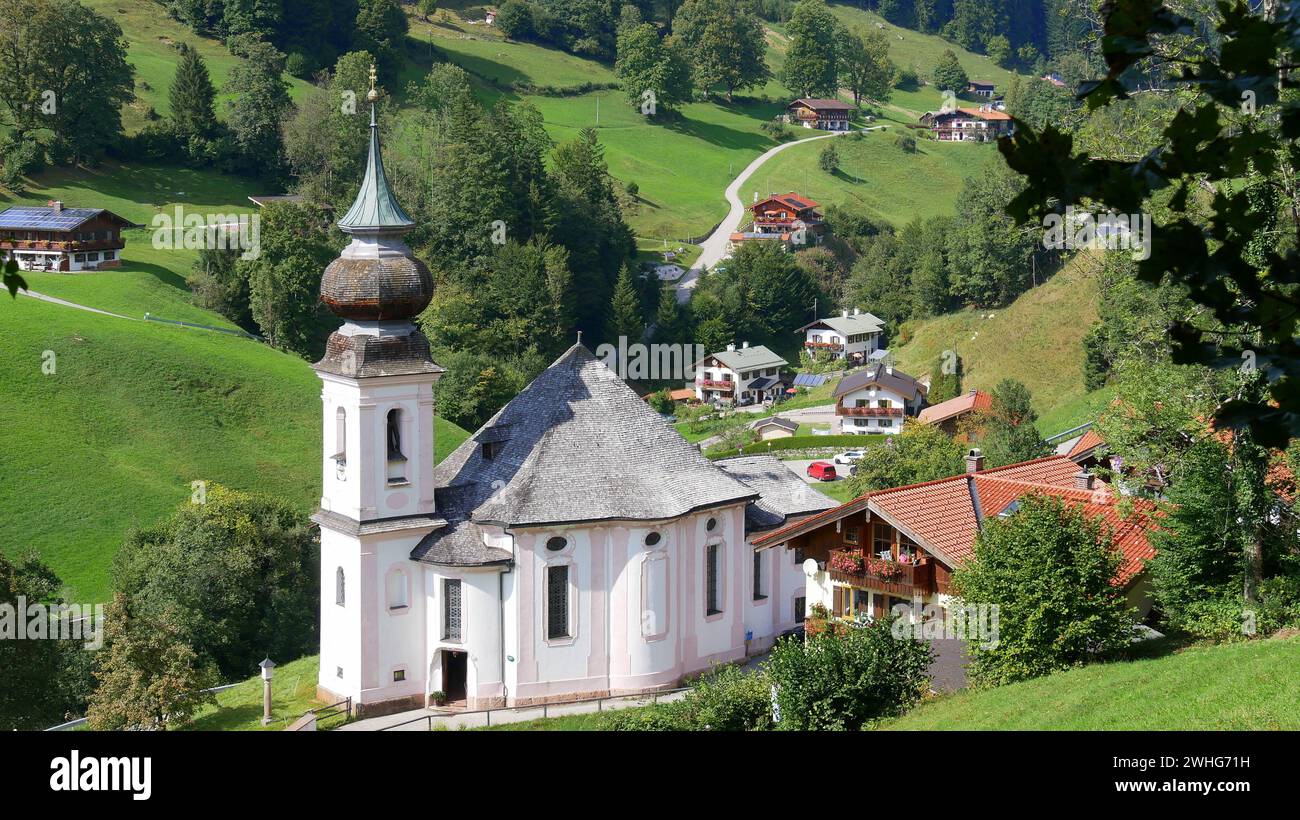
(985, 115)
(944, 410)
(942, 514)
(1088, 441)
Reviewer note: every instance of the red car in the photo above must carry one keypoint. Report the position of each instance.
(822, 471)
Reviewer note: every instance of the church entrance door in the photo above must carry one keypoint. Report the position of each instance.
(455, 665)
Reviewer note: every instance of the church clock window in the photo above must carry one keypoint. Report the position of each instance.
(339, 593)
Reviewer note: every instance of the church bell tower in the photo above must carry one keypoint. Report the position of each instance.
(377, 460)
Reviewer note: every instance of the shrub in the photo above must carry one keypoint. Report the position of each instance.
(727, 699)
(1049, 570)
(661, 717)
(848, 678)
(906, 142)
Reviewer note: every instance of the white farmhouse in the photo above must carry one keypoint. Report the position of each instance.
(574, 546)
(852, 336)
(876, 399)
(745, 375)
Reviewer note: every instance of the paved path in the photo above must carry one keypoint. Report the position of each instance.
(715, 247)
(57, 301)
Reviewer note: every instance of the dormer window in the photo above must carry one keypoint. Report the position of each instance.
(491, 448)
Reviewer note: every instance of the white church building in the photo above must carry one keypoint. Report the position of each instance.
(574, 546)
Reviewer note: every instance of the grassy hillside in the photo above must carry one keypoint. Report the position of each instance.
(920, 52)
(1038, 339)
(152, 37)
(1246, 686)
(239, 708)
(132, 414)
(877, 177)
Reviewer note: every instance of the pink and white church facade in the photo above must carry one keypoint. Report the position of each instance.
(574, 546)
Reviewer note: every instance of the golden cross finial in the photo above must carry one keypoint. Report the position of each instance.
(373, 95)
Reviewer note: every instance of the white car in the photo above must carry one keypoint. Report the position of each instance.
(849, 456)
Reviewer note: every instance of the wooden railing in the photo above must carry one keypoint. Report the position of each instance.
(869, 411)
(851, 566)
(824, 345)
(61, 245)
(716, 384)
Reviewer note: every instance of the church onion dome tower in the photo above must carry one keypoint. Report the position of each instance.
(376, 285)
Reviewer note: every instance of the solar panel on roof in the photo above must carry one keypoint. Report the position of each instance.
(45, 219)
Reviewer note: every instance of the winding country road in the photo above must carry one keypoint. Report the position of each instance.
(715, 247)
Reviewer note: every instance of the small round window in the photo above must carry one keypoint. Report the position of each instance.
(711, 525)
(652, 539)
(557, 543)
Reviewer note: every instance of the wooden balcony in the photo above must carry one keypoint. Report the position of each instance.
(715, 384)
(60, 245)
(872, 412)
(824, 345)
(851, 566)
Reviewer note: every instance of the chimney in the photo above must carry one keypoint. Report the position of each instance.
(1083, 480)
(731, 348)
(56, 204)
(844, 313)
(889, 369)
(974, 460)
(857, 311)
(744, 345)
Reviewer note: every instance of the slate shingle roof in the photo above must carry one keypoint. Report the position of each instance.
(576, 445)
(782, 494)
(850, 325)
(878, 374)
(748, 358)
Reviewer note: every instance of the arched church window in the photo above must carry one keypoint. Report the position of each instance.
(395, 433)
(341, 436)
(339, 595)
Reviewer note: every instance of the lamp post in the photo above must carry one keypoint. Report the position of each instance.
(267, 666)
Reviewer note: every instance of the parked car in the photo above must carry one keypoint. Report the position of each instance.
(822, 471)
(849, 456)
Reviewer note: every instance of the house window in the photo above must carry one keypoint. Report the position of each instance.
(490, 449)
(399, 675)
(711, 606)
(109, 255)
(800, 608)
(798, 555)
(850, 535)
(339, 595)
(758, 575)
(557, 601)
(883, 540)
(451, 610)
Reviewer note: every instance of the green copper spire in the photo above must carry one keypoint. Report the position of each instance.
(375, 206)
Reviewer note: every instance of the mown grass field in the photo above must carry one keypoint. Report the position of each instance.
(1246, 686)
(877, 177)
(134, 411)
(1037, 339)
